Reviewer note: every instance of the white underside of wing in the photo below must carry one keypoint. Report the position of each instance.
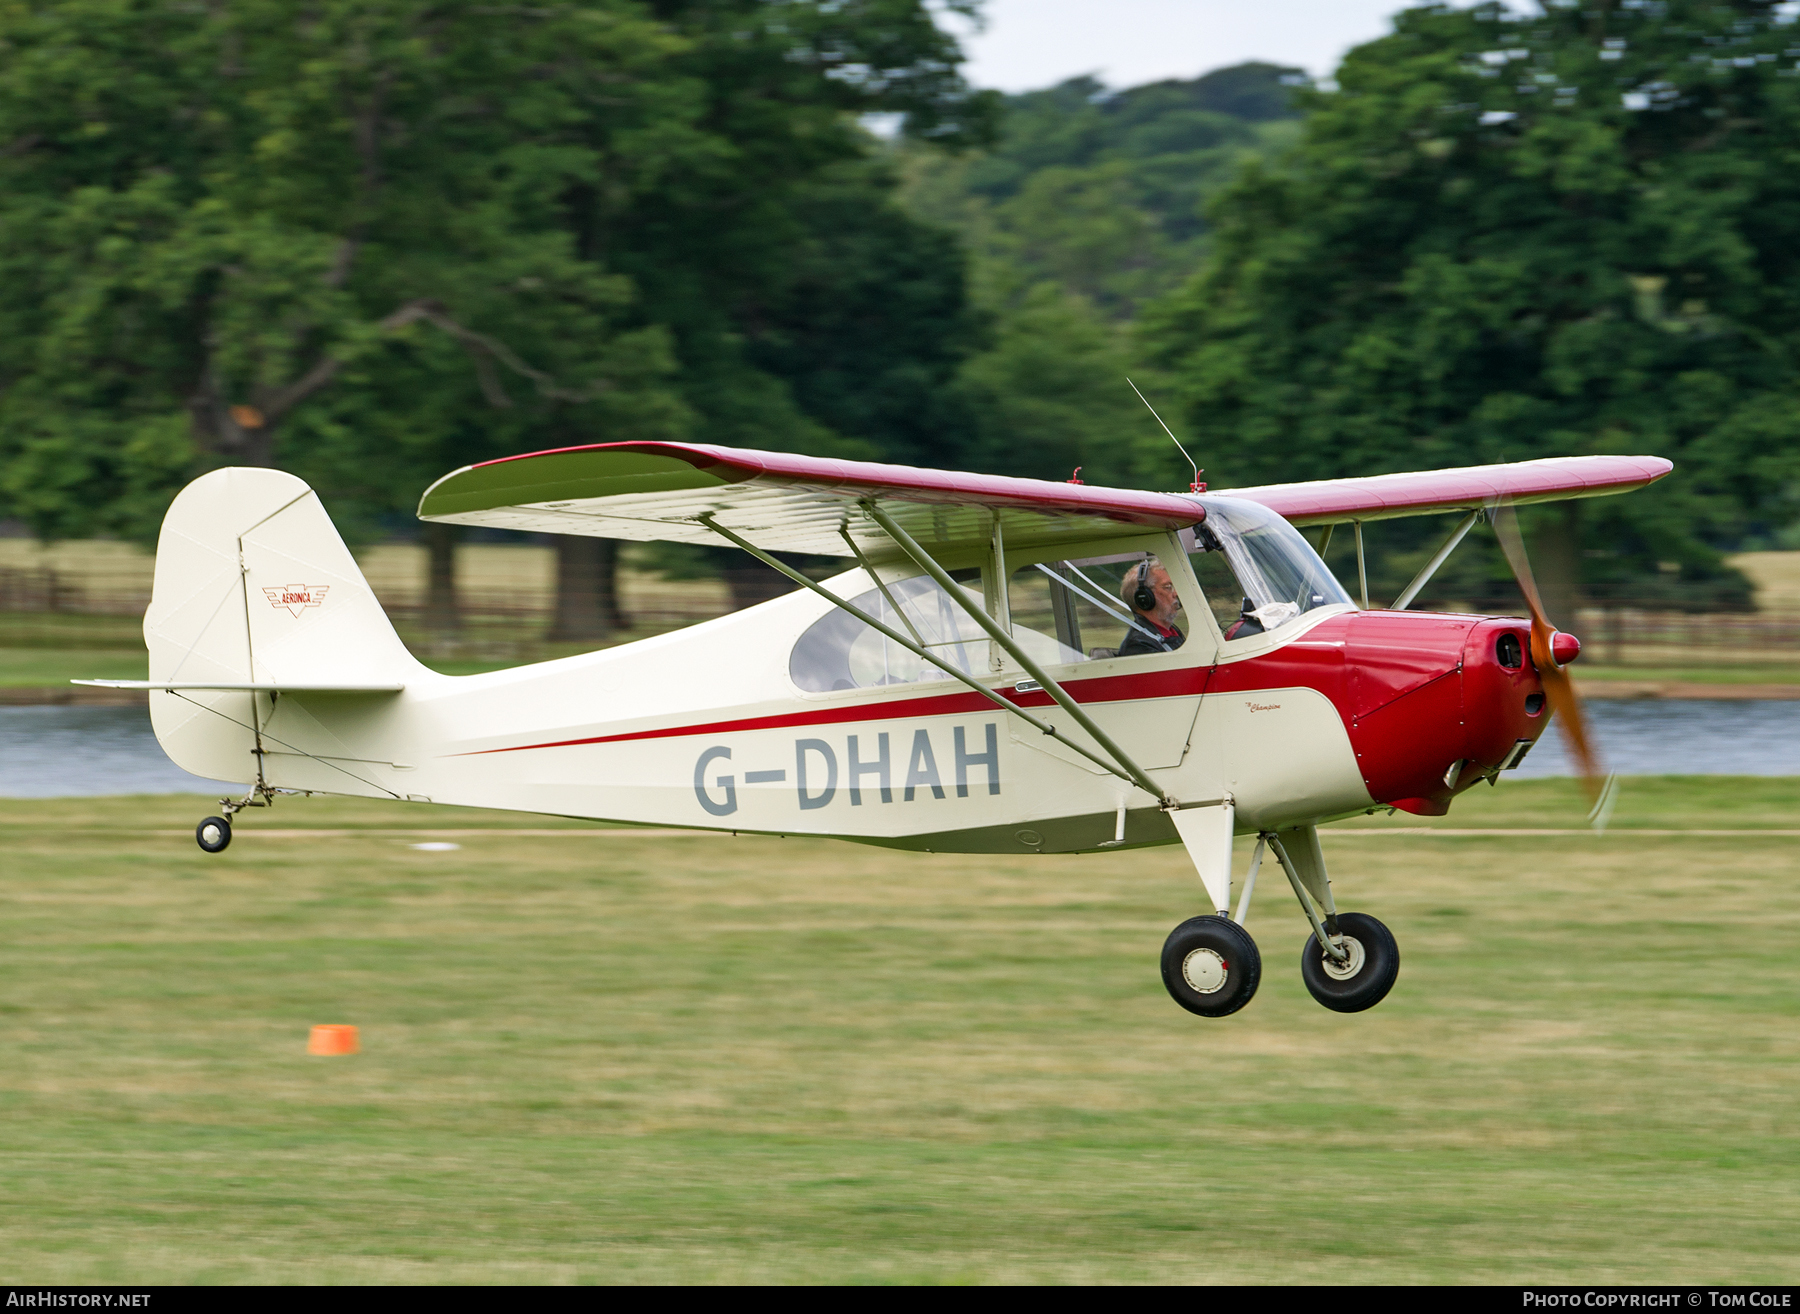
(286, 686)
(788, 519)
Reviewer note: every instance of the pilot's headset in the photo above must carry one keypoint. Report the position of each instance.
(1144, 597)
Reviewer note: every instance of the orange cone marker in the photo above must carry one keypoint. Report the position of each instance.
(332, 1040)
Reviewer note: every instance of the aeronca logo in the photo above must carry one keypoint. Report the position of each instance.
(297, 597)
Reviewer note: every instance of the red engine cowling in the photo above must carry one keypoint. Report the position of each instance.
(1438, 701)
(1420, 693)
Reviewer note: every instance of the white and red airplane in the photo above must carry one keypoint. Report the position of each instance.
(988, 675)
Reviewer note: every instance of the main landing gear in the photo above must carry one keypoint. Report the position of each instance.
(1212, 967)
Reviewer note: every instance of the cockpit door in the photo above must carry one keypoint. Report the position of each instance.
(1072, 616)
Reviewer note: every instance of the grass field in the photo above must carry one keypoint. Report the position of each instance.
(625, 1056)
(53, 668)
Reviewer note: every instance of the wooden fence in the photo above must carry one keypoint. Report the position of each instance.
(41, 606)
(1643, 636)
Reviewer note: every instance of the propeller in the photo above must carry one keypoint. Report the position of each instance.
(1547, 646)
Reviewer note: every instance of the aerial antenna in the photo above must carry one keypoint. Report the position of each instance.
(1196, 486)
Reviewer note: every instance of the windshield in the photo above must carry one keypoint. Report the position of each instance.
(1258, 572)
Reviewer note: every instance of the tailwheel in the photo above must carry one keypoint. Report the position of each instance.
(213, 834)
(1211, 966)
(1364, 976)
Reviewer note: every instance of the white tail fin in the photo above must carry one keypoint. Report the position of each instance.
(254, 586)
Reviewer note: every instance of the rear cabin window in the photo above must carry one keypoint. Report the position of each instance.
(838, 651)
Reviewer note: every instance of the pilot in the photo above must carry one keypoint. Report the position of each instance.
(1150, 593)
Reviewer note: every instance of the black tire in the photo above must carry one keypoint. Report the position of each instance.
(1211, 966)
(213, 834)
(1375, 963)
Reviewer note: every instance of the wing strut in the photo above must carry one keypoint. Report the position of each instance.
(1131, 770)
(894, 636)
(1424, 576)
(1362, 568)
(875, 575)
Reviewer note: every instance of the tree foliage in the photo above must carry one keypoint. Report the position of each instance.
(212, 215)
(1505, 237)
(370, 242)
(809, 312)
(1101, 192)
(1050, 394)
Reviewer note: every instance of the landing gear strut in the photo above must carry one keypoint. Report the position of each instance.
(1350, 961)
(1210, 965)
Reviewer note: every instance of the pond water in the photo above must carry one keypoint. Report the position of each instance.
(62, 752)
(50, 752)
(1670, 736)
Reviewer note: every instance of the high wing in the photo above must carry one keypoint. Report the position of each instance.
(1435, 492)
(786, 503)
(659, 491)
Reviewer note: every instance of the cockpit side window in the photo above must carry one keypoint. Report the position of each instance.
(1079, 610)
(1225, 595)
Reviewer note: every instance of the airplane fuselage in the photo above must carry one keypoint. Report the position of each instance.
(1337, 713)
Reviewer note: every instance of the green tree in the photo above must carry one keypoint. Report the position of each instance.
(370, 242)
(1508, 236)
(809, 311)
(1088, 205)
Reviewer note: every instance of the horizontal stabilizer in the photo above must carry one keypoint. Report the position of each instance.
(285, 686)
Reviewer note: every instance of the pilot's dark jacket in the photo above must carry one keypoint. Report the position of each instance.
(1138, 643)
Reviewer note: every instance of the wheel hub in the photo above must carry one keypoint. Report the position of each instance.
(1351, 965)
(1205, 971)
